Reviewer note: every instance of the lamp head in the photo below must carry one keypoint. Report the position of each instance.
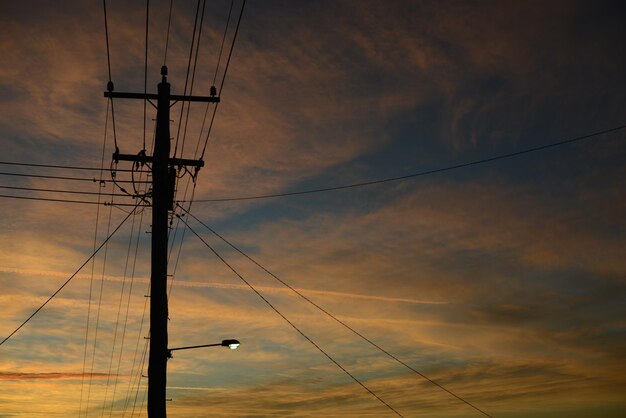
(232, 344)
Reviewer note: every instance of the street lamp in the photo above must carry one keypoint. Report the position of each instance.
(232, 344)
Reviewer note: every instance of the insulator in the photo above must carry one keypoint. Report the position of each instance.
(110, 86)
(213, 91)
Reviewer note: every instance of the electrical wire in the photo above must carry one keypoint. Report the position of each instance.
(167, 37)
(232, 46)
(93, 264)
(143, 363)
(333, 316)
(140, 365)
(106, 33)
(200, 135)
(96, 328)
(117, 320)
(193, 77)
(125, 325)
(217, 67)
(110, 83)
(191, 49)
(130, 291)
(44, 199)
(145, 73)
(230, 54)
(40, 176)
(68, 280)
(287, 320)
(193, 176)
(117, 150)
(421, 173)
(33, 189)
(182, 239)
(65, 167)
(219, 57)
(143, 399)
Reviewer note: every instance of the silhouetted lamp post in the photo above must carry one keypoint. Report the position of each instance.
(232, 344)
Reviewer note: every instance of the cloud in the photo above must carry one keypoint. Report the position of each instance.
(217, 285)
(54, 376)
(503, 282)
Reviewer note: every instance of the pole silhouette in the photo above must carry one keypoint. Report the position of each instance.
(161, 187)
(163, 183)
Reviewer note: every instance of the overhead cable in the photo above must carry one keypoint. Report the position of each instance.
(230, 53)
(193, 77)
(93, 264)
(70, 278)
(219, 57)
(418, 174)
(64, 167)
(35, 189)
(110, 82)
(106, 34)
(145, 72)
(331, 315)
(92, 179)
(45, 199)
(286, 319)
(191, 49)
(167, 37)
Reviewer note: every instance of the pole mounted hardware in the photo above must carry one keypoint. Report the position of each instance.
(232, 344)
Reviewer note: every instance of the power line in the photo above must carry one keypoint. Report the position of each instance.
(191, 49)
(71, 277)
(217, 67)
(193, 77)
(65, 167)
(93, 264)
(95, 338)
(167, 37)
(145, 73)
(143, 314)
(117, 319)
(331, 315)
(106, 33)
(130, 290)
(143, 362)
(176, 229)
(421, 173)
(219, 58)
(34, 189)
(232, 46)
(230, 53)
(113, 120)
(285, 318)
(110, 83)
(92, 179)
(44, 199)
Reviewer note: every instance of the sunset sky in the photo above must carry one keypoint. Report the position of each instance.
(504, 282)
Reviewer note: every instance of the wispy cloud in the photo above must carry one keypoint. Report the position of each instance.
(54, 376)
(503, 282)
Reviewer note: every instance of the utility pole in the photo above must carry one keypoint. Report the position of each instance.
(163, 182)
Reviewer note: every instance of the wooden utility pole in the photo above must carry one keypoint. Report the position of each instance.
(163, 182)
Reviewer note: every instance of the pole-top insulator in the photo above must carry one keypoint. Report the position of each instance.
(110, 86)
(164, 70)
